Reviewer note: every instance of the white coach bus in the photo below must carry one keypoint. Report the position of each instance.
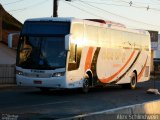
(75, 53)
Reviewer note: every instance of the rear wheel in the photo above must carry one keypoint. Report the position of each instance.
(133, 82)
(85, 87)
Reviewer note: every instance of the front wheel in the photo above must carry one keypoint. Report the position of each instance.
(85, 87)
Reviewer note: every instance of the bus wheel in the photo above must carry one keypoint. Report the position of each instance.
(85, 87)
(133, 81)
(132, 84)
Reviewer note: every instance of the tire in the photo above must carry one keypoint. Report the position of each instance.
(133, 82)
(85, 87)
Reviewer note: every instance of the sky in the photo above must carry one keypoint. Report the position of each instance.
(137, 14)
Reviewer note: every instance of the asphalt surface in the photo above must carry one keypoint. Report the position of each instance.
(24, 102)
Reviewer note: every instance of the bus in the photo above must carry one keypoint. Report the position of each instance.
(75, 53)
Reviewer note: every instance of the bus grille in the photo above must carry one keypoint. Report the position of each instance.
(38, 75)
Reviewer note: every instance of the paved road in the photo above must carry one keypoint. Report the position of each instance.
(31, 103)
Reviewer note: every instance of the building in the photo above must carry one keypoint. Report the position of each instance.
(8, 24)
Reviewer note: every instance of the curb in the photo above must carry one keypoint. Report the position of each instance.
(137, 110)
(6, 86)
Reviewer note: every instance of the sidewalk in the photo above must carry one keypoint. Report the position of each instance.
(7, 86)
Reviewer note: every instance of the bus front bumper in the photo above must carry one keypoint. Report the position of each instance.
(53, 82)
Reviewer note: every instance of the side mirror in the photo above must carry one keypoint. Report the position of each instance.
(67, 42)
(10, 36)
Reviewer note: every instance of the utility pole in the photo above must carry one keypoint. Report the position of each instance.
(55, 8)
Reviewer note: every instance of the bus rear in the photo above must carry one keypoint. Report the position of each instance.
(41, 53)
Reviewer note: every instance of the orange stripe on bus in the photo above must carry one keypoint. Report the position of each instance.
(142, 71)
(89, 58)
(114, 75)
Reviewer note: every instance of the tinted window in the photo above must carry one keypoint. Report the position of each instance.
(46, 28)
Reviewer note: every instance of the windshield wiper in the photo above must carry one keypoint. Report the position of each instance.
(44, 67)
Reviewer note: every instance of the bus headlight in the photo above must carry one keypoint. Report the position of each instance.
(58, 74)
(19, 72)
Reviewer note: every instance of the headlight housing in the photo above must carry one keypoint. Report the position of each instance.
(19, 72)
(58, 74)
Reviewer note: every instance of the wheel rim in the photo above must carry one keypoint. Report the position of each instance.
(133, 82)
(85, 85)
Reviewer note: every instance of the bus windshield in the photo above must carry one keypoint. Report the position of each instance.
(36, 52)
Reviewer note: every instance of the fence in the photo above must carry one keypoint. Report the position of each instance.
(7, 74)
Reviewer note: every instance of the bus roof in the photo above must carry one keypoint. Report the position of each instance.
(64, 19)
(95, 22)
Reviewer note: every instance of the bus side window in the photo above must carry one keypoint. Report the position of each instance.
(75, 56)
(77, 30)
(73, 53)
